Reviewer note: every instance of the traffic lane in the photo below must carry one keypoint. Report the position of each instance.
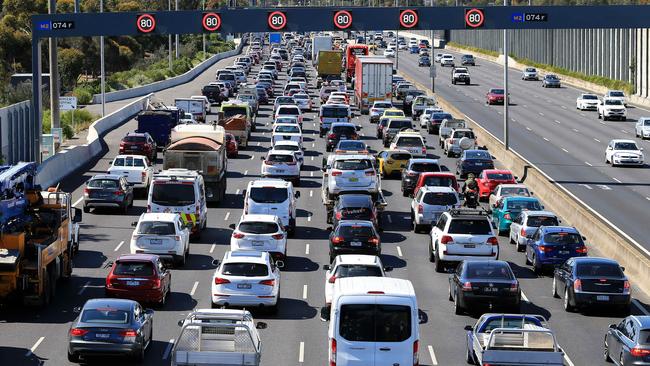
(562, 167)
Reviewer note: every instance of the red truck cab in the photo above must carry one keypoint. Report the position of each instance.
(351, 53)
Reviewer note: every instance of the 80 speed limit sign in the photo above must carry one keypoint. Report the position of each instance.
(277, 20)
(474, 18)
(145, 23)
(408, 18)
(211, 22)
(342, 19)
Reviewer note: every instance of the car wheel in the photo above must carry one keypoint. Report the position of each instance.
(73, 357)
(439, 265)
(86, 209)
(606, 351)
(536, 266)
(431, 256)
(567, 302)
(528, 262)
(458, 310)
(555, 295)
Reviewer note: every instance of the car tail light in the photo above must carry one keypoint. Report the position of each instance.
(86, 191)
(626, 287)
(467, 286)
(119, 193)
(336, 173)
(446, 239)
(177, 238)
(523, 232)
(514, 287)
(424, 150)
(155, 283)
(337, 240)
(545, 248)
(332, 279)
(238, 235)
(331, 136)
(220, 281)
(370, 173)
(332, 352)
(144, 176)
(493, 241)
(581, 250)
(78, 332)
(411, 174)
(416, 348)
(577, 285)
(374, 240)
(420, 209)
(132, 333)
(507, 216)
(339, 215)
(277, 236)
(267, 282)
(639, 352)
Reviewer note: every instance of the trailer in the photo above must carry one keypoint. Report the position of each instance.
(373, 81)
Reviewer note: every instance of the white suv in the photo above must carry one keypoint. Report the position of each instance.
(163, 234)
(351, 265)
(286, 132)
(351, 173)
(429, 203)
(453, 146)
(462, 234)
(272, 197)
(260, 233)
(610, 108)
(281, 164)
(447, 60)
(410, 141)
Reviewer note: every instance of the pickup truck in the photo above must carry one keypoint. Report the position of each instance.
(135, 168)
(218, 337)
(460, 75)
(446, 126)
(420, 104)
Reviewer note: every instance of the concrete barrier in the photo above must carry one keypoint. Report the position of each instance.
(67, 161)
(602, 235)
(167, 83)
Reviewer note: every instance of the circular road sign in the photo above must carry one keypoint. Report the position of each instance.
(146, 23)
(408, 18)
(211, 21)
(342, 19)
(277, 20)
(474, 18)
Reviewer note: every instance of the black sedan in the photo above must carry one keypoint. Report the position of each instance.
(354, 237)
(424, 61)
(354, 207)
(110, 327)
(473, 161)
(590, 281)
(551, 81)
(628, 342)
(108, 190)
(484, 283)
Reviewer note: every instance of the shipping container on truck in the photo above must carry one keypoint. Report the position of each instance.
(320, 43)
(330, 63)
(373, 81)
(158, 123)
(196, 107)
(351, 53)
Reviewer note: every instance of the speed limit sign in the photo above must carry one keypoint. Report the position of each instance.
(408, 18)
(211, 22)
(145, 23)
(277, 20)
(474, 18)
(342, 19)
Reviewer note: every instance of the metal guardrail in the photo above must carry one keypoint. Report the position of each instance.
(16, 132)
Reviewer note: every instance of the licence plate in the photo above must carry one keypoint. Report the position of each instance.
(279, 170)
(102, 335)
(490, 289)
(132, 283)
(479, 164)
(355, 244)
(353, 179)
(564, 252)
(258, 243)
(155, 241)
(244, 286)
(469, 246)
(602, 298)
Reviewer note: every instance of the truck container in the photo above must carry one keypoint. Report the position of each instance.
(237, 118)
(200, 147)
(351, 54)
(196, 107)
(158, 123)
(373, 81)
(320, 43)
(330, 63)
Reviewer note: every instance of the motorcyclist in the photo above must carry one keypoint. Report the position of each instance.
(470, 183)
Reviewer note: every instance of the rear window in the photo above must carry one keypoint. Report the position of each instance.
(269, 194)
(425, 167)
(409, 141)
(357, 270)
(461, 134)
(105, 316)
(478, 155)
(438, 181)
(140, 139)
(470, 227)
(360, 210)
(156, 228)
(375, 323)
(598, 270)
(166, 194)
(344, 130)
(537, 221)
(287, 129)
(293, 111)
(399, 124)
(103, 183)
(455, 124)
(281, 158)
(331, 112)
(351, 145)
(393, 113)
(440, 199)
(500, 176)
(132, 268)
(231, 111)
(562, 238)
(497, 271)
(226, 77)
(301, 96)
(355, 231)
(383, 105)
(353, 164)
(258, 227)
(245, 269)
(524, 205)
(129, 161)
(400, 156)
(515, 323)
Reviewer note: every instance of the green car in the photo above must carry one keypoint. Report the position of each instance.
(509, 207)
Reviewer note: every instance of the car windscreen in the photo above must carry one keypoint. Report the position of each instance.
(231, 111)
(357, 270)
(438, 181)
(514, 191)
(129, 161)
(500, 176)
(409, 141)
(103, 183)
(268, 194)
(334, 112)
(625, 146)
(478, 155)
(616, 94)
(562, 238)
(496, 271)
(245, 269)
(598, 270)
(613, 102)
(383, 105)
(517, 205)
(252, 227)
(353, 164)
(497, 91)
(355, 231)
(589, 97)
(440, 198)
(537, 221)
(133, 268)
(139, 139)
(375, 323)
(425, 167)
(287, 129)
(530, 69)
(170, 194)
(344, 130)
(470, 227)
(105, 316)
(281, 158)
(399, 124)
(156, 228)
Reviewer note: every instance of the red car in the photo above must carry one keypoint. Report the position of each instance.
(139, 144)
(489, 179)
(231, 146)
(139, 277)
(495, 96)
(436, 179)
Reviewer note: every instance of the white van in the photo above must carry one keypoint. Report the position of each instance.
(373, 321)
(272, 197)
(180, 191)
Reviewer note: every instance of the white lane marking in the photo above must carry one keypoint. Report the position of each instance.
(237, 192)
(575, 130)
(586, 162)
(563, 106)
(313, 144)
(648, 198)
(301, 352)
(225, 218)
(603, 187)
(119, 246)
(565, 150)
(312, 174)
(513, 120)
(168, 350)
(196, 284)
(252, 156)
(525, 106)
(586, 186)
(528, 128)
(545, 139)
(245, 172)
(31, 350)
(597, 140)
(83, 288)
(390, 219)
(212, 248)
(312, 158)
(77, 202)
(616, 179)
(311, 193)
(558, 122)
(623, 131)
(304, 291)
(567, 359)
(258, 144)
(307, 249)
(432, 354)
(523, 297)
(399, 251)
(638, 305)
(309, 217)
(264, 133)
(541, 114)
(582, 114)
(602, 123)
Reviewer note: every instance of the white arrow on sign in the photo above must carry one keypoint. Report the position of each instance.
(67, 103)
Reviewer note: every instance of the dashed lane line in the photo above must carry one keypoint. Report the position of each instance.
(558, 122)
(565, 150)
(212, 248)
(432, 354)
(307, 249)
(119, 246)
(245, 172)
(309, 217)
(399, 251)
(34, 347)
(168, 349)
(311, 193)
(616, 179)
(225, 218)
(523, 297)
(301, 352)
(237, 192)
(77, 202)
(586, 162)
(597, 140)
(304, 292)
(196, 284)
(576, 130)
(541, 114)
(639, 305)
(252, 156)
(545, 139)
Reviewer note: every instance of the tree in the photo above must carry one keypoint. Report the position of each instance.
(70, 66)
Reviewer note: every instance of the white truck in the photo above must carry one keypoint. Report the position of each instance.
(137, 170)
(321, 43)
(196, 107)
(530, 346)
(373, 81)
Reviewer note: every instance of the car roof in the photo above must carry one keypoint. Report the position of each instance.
(287, 142)
(137, 257)
(497, 171)
(268, 182)
(380, 285)
(520, 198)
(251, 256)
(622, 140)
(348, 124)
(258, 218)
(158, 216)
(539, 213)
(138, 134)
(594, 260)
(423, 160)
(438, 189)
(106, 176)
(397, 151)
(557, 229)
(121, 304)
(438, 174)
(356, 223)
(351, 157)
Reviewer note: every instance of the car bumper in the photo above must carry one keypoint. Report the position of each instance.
(142, 296)
(590, 299)
(87, 348)
(427, 219)
(244, 300)
(102, 203)
(627, 161)
(469, 300)
(459, 258)
(358, 250)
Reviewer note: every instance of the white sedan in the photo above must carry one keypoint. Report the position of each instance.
(351, 265)
(260, 233)
(623, 152)
(587, 101)
(389, 52)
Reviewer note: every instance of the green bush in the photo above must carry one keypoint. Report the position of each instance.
(155, 75)
(139, 79)
(84, 94)
(82, 119)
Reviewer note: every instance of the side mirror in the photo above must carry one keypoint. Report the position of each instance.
(232, 226)
(422, 317)
(180, 323)
(326, 267)
(388, 269)
(134, 223)
(622, 268)
(215, 262)
(77, 215)
(149, 312)
(584, 237)
(261, 325)
(359, 129)
(469, 328)
(325, 313)
(262, 158)
(297, 194)
(323, 169)
(613, 326)
(516, 177)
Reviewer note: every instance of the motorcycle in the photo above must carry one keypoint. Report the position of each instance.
(471, 198)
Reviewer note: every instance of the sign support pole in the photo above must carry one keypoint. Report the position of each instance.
(101, 64)
(506, 97)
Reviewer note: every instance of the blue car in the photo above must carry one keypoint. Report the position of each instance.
(414, 49)
(510, 207)
(550, 246)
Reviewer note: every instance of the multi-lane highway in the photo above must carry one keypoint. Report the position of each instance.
(547, 129)
(296, 336)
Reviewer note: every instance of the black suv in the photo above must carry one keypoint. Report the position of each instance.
(353, 207)
(411, 173)
(354, 237)
(340, 131)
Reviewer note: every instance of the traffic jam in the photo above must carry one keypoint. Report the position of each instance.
(324, 160)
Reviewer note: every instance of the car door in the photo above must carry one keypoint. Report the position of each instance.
(516, 225)
(531, 246)
(394, 330)
(564, 279)
(165, 274)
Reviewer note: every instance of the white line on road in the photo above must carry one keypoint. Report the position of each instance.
(545, 139)
(313, 144)
(312, 158)
(119, 246)
(616, 179)
(301, 352)
(390, 219)
(237, 192)
(558, 122)
(513, 120)
(597, 140)
(565, 150)
(432, 354)
(638, 305)
(309, 218)
(77, 202)
(567, 359)
(528, 128)
(196, 284)
(304, 291)
(648, 198)
(602, 123)
(525, 106)
(623, 131)
(252, 156)
(258, 144)
(168, 349)
(586, 162)
(575, 130)
(312, 174)
(225, 218)
(83, 288)
(399, 251)
(311, 193)
(212, 248)
(245, 172)
(563, 106)
(31, 350)
(541, 114)
(523, 297)
(307, 249)
(586, 186)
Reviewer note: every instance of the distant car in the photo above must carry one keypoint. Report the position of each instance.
(424, 61)
(137, 170)
(391, 162)
(473, 161)
(591, 281)
(467, 60)
(340, 131)
(495, 96)
(354, 237)
(436, 118)
(551, 246)
(429, 203)
(357, 206)
(505, 190)
(509, 208)
(412, 171)
(611, 109)
(551, 81)
(484, 283)
(642, 128)
(414, 49)
(110, 327)
(139, 277)
(436, 179)
(438, 57)
(626, 343)
(351, 147)
(232, 148)
(378, 108)
(351, 265)
(624, 152)
(587, 101)
(281, 164)
(294, 147)
(530, 73)
(460, 75)
(447, 60)
(303, 100)
(108, 190)
(260, 233)
(489, 179)
(617, 95)
(162, 234)
(139, 144)
(526, 223)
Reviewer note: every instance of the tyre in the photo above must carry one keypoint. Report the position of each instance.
(528, 262)
(139, 356)
(73, 357)
(439, 265)
(182, 260)
(606, 351)
(537, 268)
(458, 310)
(431, 256)
(555, 295)
(567, 302)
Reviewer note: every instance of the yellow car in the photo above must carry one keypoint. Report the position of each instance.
(393, 112)
(392, 162)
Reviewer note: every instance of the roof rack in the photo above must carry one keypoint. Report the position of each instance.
(468, 212)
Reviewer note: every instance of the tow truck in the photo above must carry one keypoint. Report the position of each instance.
(39, 235)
